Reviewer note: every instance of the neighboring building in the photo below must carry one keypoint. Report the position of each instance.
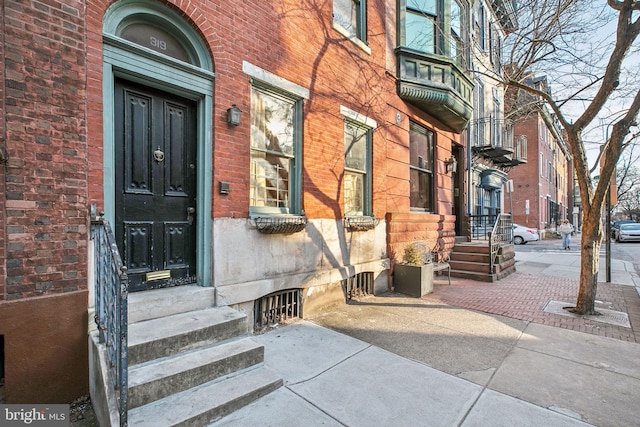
(256, 148)
(543, 189)
(494, 148)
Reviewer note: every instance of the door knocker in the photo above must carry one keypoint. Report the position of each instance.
(158, 155)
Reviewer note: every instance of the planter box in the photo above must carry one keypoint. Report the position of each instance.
(413, 280)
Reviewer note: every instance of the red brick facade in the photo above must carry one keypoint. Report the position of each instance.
(43, 273)
(52, 126)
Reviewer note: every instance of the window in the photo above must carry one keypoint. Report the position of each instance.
(542, 165)
(456, 47)
(496, 48)
(428, 30)
(357, 169)
(420, 29)
(275, 147)
(421, 168)
(351, 15)
(497, 123)
(479, 25)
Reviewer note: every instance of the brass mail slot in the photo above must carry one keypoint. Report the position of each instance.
(158, 275)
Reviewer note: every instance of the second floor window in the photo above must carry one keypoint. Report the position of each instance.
(420, 27)
(275, 152)
(456, 49)
(435, 27)
(421, 162)
(352, 16)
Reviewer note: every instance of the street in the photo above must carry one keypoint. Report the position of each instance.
(628, 252)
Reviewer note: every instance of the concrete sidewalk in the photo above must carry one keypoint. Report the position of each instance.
(391, 360)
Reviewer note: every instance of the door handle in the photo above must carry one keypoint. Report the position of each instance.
(191, 211)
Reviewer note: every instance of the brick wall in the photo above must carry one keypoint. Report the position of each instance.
(527, 176)
(46, 190)
(43, 255)
(3, 294)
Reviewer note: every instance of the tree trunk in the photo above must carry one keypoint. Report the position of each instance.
(591, 241)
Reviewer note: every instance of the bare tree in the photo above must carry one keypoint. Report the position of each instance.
(585, 48)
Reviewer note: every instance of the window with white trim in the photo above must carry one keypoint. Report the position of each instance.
(276, 139)
(357, 169)
(351, 15)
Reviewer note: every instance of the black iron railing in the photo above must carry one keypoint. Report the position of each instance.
(482, 226)
(111, 291)
(502, 233)
(491, 132)
(496, 229)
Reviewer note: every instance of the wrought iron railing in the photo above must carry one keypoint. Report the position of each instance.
(521, 148)
(497, 229)
(482, 226)
(111, 291)
(502, 233)
(491, 132)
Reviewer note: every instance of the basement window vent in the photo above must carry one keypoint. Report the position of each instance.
(277, 308)
(360, 285)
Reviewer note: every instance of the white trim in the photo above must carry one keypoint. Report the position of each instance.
(274, 80)
(350, 36)
(357, 117)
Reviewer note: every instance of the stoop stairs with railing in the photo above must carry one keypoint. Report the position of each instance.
(180, 360)
(490, 254)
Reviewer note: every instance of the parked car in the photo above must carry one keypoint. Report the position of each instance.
(522, 235)
(616, 225)
(628, 233)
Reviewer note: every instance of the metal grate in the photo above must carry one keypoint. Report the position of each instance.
(277, 307)
(281, 225)
(359, 285)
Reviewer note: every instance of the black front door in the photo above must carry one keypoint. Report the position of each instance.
(155, 140)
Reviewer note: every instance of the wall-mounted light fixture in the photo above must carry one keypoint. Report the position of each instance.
(233, 115)
(451, 164)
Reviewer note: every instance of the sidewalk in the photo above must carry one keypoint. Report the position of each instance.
(469, 354)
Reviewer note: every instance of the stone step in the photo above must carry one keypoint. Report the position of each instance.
(473, 275)
(161, 337)
(163, 377)
(470, 266)
(470, 256)
(164, 302)
(201, 405)
(471, 247)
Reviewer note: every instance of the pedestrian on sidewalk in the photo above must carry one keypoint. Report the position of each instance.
(565, 231)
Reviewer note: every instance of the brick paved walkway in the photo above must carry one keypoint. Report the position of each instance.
(524, 296)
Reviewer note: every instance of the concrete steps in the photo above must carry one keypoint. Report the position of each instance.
(152, 339)
(201, 405)
(189, 362)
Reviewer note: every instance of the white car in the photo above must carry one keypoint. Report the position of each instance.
(522, 235)
(628, 233)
